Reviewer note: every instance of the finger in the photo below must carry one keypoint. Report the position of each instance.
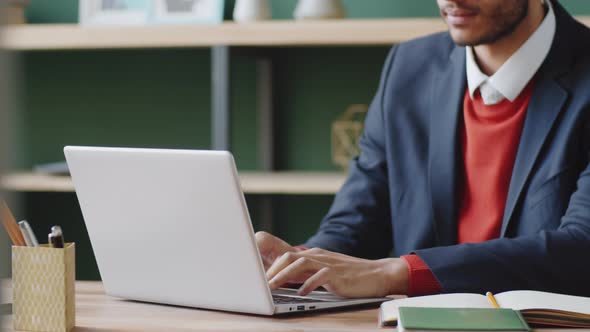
(319, 279)
(294, 271)
(282, 262)
(271, 248)
(326, 256)
(266, 248)
(268, 260)
(264, 241)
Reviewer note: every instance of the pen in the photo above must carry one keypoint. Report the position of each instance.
(10, 225)
(493, 300)
(28, 235)
(56, 238)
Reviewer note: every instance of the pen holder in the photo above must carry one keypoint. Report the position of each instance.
(43, 282)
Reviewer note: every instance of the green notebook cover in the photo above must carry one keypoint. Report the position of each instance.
(461, 319)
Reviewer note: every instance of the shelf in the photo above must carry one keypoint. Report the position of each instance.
(270, 33)
(31, 182)
(287, 183)
(348, 32)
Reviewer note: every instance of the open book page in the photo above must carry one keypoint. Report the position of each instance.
(527, 300)
(389, 309)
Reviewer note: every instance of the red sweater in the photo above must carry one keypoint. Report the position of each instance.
(491, 134)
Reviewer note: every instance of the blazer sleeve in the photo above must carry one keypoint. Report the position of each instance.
(358, 223)
(554, 261)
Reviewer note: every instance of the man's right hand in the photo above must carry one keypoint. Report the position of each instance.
(340, 274)
(271, 248)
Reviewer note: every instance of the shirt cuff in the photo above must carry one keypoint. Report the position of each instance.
(422, 280)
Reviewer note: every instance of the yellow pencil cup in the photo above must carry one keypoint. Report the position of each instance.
(43, 282)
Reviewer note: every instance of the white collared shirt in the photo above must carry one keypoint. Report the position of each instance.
(513, 76)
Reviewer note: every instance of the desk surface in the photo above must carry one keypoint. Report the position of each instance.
(96, 312)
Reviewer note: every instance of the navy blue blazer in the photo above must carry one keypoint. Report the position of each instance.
(401, 195)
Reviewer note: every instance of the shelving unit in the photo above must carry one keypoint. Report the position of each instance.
(261, 183)
(278, 33)
(271, 33)
(223, 39)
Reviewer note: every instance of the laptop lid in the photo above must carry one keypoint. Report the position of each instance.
(170, 226)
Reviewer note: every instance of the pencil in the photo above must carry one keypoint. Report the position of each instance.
(493, 300)
(11, 226)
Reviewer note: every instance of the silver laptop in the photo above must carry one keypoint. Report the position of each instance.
(172, 227)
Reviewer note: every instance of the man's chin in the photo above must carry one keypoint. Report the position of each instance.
(464, 39)
(461, 39)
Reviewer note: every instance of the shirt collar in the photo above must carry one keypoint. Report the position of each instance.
(519, 69)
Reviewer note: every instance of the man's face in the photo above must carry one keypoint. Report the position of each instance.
(476, 22)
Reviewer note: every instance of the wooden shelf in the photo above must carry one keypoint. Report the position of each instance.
(32, 182)
(287, 183)
(270, 33)
(347, 32)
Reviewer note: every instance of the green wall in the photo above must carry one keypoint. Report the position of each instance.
(126, 98)
(161, 98)
(66, 11)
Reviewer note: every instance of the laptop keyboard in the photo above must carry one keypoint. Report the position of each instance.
(281, 299)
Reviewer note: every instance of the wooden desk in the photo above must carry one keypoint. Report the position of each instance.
(96, 312)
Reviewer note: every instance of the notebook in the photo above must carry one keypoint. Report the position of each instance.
(538, 308)
(460, 319)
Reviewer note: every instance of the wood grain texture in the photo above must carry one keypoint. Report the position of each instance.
(349, 32)
(269, 33)
(300, 183)
(96, 312)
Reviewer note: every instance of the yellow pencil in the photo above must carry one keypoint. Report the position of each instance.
(11, 226)
(493, 300)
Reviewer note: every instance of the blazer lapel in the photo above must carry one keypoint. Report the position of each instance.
(546, 103)
(447, 103)
(544, 107)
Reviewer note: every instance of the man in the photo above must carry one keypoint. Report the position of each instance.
(474, 165)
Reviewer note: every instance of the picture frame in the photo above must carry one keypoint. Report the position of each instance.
(187, 11)
(114, 12)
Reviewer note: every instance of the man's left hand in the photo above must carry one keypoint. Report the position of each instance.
(340, 274)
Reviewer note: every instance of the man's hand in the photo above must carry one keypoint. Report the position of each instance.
(271, 248)
(340, 274)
